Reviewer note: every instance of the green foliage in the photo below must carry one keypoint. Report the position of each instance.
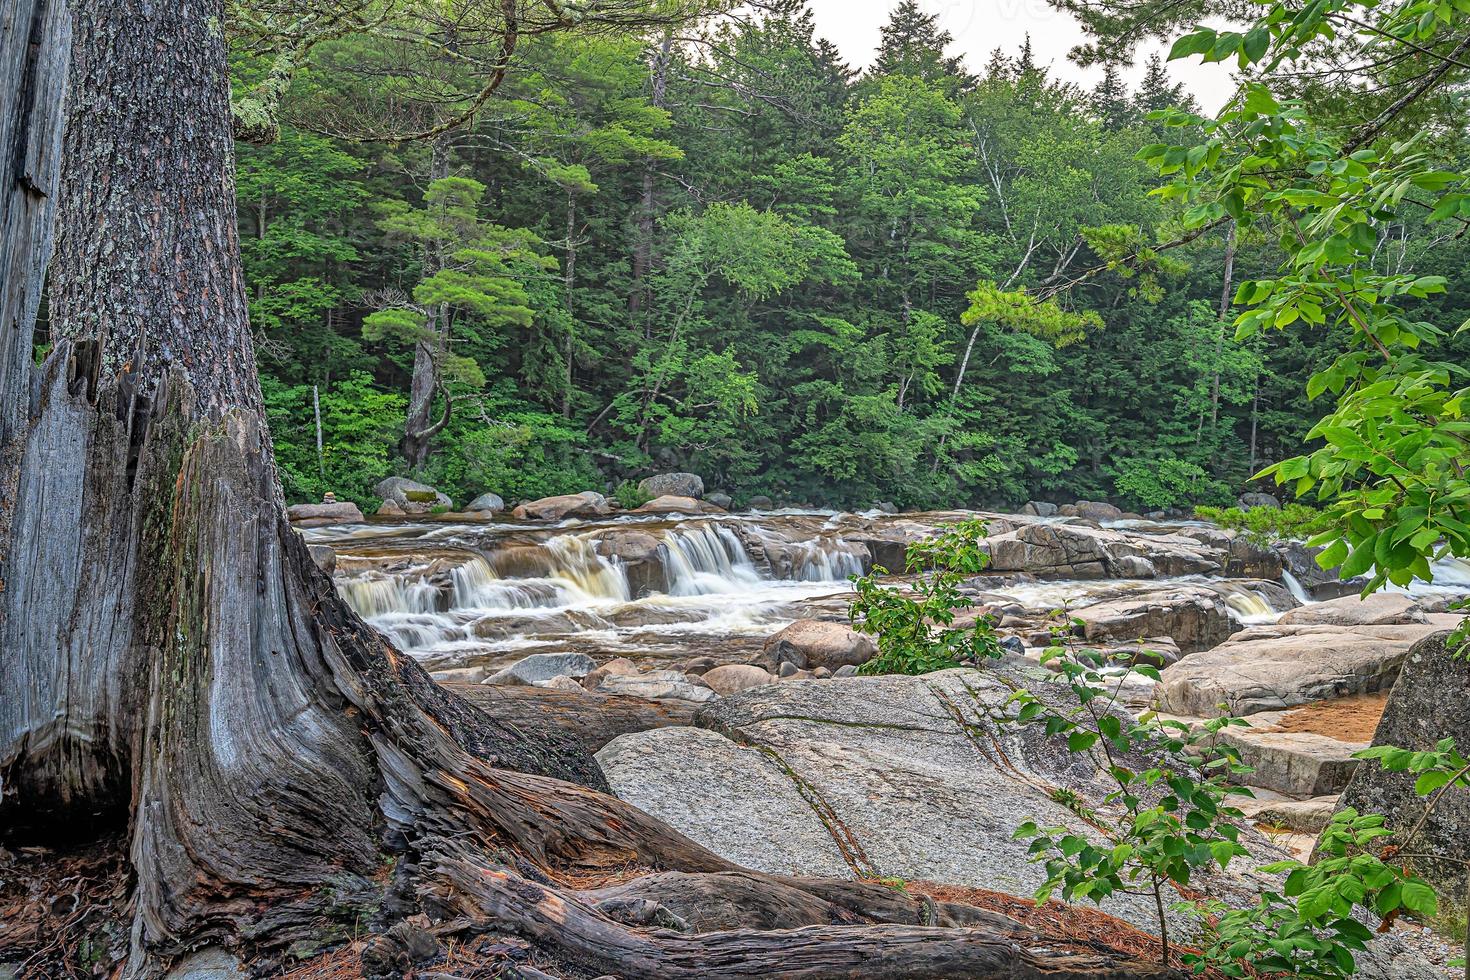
(358, 422)
(1307, 928)
(629, 495)
(914, 622)
(1292, 521)
(607, 282)
(1165, 482)
(1391, 469)
(1168, 815)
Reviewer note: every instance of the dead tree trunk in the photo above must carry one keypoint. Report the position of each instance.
(428, 352)
(177, 668)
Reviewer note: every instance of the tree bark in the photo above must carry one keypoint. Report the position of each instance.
(177, 668)
(643, 243)
(418, 426)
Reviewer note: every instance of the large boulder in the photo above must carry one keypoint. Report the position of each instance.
(1269, 668)
(1430, 702)
(1195, 617)
(1081, 551)
(1253, 499)
(1378, 609)
(486, 503)
(673, 485)
(911, 777)
(813, 643)
(1096, 510)
(318, 515)
(410, 496)
(914, 777)
(588, 503)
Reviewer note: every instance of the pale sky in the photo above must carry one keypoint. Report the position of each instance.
(979, 26)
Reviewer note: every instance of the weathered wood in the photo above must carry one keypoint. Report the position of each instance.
(745, 900)
(461, 886)
(594, 719)
(34, 44)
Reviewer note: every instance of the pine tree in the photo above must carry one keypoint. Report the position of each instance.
(1110, 103)
(914, 44)
(1158, 91)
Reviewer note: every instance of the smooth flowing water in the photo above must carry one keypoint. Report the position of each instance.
(456, 595)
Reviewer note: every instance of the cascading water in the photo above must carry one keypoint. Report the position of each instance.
(1249, 606)
(518, 591)
(706, 559)
(373, 595)
(1294, 586)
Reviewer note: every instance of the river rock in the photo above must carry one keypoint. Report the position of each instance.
(886, 507)
(1248, 501)
(1079, 551)
(318, 515)
(1095, 510)
(324, 556)
(389, 509)
(673, 485)
(730, 678)
(1268, 668)
(674, 504)
(588, 503)
(656, 685)
(761, 502)
(913, 775)
(720, 499)
(411, 496)
(1039, 508)
(617, 665)
(809, 643)
(1308, 816)
(1294, 763)
(490, 502)
(1378, 609)
(1430, 702)
(1194, 617)
(638, 552)
(539, 668)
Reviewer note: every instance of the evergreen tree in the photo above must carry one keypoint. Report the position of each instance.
(912, 43)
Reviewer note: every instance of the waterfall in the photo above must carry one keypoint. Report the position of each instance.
(705, 559)
(825, 560)
(374, 595)
(1249, 606)
(1294, 586)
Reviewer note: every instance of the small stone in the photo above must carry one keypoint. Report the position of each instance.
(720, 500)
(541, 667)
(761, 502)
(562, 682)
(491, 502)
(789, 669)
(731, 678)
(698, 665)
(846, 670)
(821, 673)
(656, 685)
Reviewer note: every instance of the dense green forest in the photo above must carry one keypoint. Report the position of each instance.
(719, 248)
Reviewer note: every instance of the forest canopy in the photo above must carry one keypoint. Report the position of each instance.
(709, 244)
